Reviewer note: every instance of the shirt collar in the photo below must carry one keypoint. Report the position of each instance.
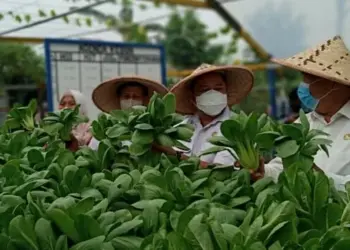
(344, 111)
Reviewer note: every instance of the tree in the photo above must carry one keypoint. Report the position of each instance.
(109, 21)
(188, 43)
(124, 23)
(19, 61)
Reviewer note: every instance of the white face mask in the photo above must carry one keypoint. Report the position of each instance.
(129, 103)
(211, 102)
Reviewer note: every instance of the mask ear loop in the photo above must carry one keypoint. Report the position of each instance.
(326, 94)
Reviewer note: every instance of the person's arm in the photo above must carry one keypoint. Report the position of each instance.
(225, 158)
(273, 168)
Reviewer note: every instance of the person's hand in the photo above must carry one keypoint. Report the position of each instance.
(162, 149)
(73, 144)
(255, 174)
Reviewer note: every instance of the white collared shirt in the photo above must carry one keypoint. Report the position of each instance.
(337, 165)
(199, 141)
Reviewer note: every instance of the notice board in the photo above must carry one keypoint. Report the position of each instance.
(84, 64)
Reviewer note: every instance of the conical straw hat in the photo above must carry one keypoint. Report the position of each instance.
(239, 82)
(329, 60)
(105, 96)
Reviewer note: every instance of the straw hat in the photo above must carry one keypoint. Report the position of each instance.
(105, 95)
(329, 60)
(239, 82)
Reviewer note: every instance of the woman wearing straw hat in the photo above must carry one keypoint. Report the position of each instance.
(206, 97)
(124, 93)
(326, 91)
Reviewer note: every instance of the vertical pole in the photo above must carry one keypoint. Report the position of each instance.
(271, 77)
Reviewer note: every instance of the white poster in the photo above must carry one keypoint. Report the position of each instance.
(83, 65)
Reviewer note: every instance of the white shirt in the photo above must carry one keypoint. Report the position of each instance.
(199, 141)
(337, 165)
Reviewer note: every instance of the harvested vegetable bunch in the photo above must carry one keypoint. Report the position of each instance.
(295, 143)
(156, 123)
(101, 125)
(239, 134)
(22, 117)
(61, 123)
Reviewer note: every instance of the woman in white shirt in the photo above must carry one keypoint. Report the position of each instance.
(206, 97)
(124, 93)
(326, 91)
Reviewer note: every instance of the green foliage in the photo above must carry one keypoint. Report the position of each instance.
(249, 136)
(61, 122)
(188, 41)
(17, 60)
(240, 134)
(51, 198)
(158, 123)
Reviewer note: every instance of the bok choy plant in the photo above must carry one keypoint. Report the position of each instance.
(239, 135)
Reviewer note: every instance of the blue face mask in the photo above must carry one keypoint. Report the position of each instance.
(306, 98)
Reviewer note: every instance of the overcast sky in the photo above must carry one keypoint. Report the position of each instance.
(283, 27)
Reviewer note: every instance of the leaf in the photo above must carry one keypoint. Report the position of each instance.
(138, 149)
(251, 125)
(144, 126)
(87, 227)
(231, 129)
(35, 156)
(64, 223)
(45, 234)
(22, 230)
(293, 131)
(169, 101)
(287, 148)
(119, 187)
(266, 139)
(321, 141)
(142, 137)
(200, 232)
(177, 242)
(124, 228)
(117, 131)
(304, 122)
(219, 236)
(62, 243)
(127, 243)
(12, 200)
(213, 150)
(220, 141)
(41, 13)
(91, 244)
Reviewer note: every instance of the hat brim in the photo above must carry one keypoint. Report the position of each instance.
(309, 71)
(105, 95)
(239, 81)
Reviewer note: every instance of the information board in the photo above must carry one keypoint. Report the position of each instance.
(83, 64)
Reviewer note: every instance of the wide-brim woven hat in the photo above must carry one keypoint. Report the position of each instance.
(329, 60)
(105, 96)
(239, 81)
